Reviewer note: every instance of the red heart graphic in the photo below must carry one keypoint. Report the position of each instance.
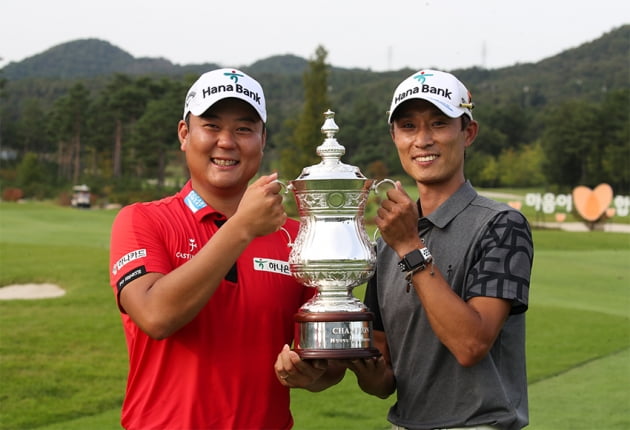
(516, 204)
(592, 204)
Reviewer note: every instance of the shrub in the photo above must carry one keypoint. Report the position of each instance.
(11, 194)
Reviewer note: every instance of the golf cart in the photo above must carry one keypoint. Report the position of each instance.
(81, 196)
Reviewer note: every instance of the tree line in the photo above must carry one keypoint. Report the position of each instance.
(120, 137)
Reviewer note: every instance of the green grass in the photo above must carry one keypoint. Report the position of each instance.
(591, 396)
(63, 361)
(60, 358)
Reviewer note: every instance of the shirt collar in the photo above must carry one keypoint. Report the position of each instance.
(456, 203)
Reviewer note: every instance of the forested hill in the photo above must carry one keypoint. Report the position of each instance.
(560, 121)
(90, 58)
(588, 69)
(583, 71)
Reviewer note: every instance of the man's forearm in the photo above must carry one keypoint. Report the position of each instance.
(382, 387)
(332, 376)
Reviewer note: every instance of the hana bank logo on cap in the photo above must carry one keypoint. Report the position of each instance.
(221, 84)
(442, 89)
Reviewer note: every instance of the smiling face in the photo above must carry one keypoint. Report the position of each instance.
(431, 145)
(223, 147)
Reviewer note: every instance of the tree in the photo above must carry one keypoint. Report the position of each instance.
(521, 167)
(364, 133)
(482, 169)
(307, 136)
(572, 145)
(125, 99)
(29, 131)
(69, 116)
(34, 176)
(491, 139)
(512, 121)
(155, 133)
(615, 121)
(3, 95)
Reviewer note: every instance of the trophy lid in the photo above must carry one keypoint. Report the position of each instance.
(331, 152)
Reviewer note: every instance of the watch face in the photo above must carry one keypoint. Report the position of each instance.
(414, 259)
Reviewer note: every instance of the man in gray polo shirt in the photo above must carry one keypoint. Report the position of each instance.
(452, 280)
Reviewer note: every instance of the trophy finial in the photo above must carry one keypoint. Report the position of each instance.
(330, 128)
(331, 167)
(330, 149)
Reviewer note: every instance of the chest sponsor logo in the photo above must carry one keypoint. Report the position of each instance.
(269, 265)
(192, 246)
(128, 258)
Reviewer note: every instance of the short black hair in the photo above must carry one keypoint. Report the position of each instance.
(465, 121)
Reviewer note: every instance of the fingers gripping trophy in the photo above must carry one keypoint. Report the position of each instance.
(332, 252)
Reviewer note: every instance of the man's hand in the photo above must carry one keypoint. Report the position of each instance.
(313, 375)
(261, 210)
(397, 220)
(374, 376)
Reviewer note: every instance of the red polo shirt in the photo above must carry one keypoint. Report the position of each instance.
(217, 371)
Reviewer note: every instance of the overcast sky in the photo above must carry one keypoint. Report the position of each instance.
(369, 34)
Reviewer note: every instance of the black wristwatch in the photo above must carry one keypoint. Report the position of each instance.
(415, 260)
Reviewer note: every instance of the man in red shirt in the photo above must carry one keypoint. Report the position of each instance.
(202, 279)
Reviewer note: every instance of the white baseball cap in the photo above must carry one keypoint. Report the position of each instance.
(442, 89)
(221, 84)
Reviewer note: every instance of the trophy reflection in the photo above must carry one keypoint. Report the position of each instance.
(332, 252)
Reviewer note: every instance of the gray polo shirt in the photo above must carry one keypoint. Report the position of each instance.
(482, 248)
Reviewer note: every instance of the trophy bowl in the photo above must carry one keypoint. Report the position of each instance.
(332, 252)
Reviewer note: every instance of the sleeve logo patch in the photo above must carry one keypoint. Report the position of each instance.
(269, 265)
(128, 258)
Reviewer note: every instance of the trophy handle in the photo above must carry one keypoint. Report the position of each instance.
(381, 182)
(285, 190)
(285, 187)
(289, 242)
(375, 188)
(374, 238)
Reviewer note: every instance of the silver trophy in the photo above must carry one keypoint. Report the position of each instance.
(333, 253)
